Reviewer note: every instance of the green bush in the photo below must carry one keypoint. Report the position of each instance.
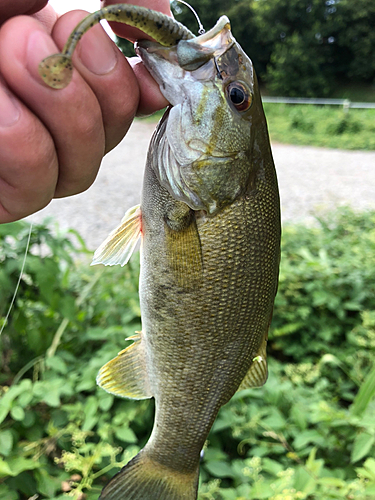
(309, 433)
(345, 124)
(301, 121)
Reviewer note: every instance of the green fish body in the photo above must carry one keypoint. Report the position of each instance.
(209, 221)
(210, 225)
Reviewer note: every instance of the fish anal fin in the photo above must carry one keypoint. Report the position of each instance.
(126, 374)
(119, 245)
(258, 371)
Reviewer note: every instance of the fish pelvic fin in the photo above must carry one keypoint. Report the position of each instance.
(185, 255)
(126, 375)
(119, 245)
(145, 479)
(258, 372)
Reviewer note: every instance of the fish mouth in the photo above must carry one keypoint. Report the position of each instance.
(190, 54)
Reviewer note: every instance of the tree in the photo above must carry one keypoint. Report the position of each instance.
(298, 47)
(355, 40)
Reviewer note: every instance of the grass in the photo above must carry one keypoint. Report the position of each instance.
(322, 126)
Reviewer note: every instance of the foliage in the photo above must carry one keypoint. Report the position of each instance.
(298, 47)
(51, 351)
(294, 69)
(126, 47)
(309, 433)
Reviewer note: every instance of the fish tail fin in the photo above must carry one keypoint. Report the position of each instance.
(145, 479)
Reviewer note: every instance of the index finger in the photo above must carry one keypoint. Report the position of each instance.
(10, 8)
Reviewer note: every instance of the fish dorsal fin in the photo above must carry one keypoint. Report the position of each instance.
(126, 374)
(119, 245)
(258, 372)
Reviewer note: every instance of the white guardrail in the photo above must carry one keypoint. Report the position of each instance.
(345, 103)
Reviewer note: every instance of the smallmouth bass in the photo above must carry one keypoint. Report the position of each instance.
(209, 221)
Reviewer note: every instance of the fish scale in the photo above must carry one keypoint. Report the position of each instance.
(198, 315)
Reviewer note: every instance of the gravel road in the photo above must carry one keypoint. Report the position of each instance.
(311, 180)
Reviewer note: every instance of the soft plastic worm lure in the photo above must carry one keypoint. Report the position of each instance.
(57, 70)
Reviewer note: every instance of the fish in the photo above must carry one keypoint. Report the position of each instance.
(209, 224)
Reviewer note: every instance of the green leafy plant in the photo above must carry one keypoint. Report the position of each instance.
(309, 433)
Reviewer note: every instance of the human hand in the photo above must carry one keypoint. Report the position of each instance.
(52, 141)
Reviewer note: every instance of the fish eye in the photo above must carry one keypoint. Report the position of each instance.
(239, 96)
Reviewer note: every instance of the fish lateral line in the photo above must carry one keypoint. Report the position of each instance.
(57, 70)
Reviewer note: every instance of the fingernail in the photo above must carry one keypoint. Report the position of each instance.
(9, 110)
(39, 46)
(97, 51)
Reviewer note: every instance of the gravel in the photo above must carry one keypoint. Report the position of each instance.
(311, 180)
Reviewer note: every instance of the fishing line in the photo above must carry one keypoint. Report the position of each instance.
(219, 75)
(201, 29)
(19, 280)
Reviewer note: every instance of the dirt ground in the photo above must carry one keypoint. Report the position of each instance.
(311, 180)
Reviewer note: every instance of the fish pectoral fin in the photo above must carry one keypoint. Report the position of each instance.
(258, 372)
(119, 245)
(126, 375)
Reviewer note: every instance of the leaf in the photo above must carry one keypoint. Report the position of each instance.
(5, 470)
(220, 424)
(299, 416)
(304, 481)
(228, 494)
(25, 399)
(274, 420)
(368, 469)
(314, 465)
(10, 395)
(272, 466)
(212, 454)
(7, 494)
(16, 465)
(219, 469)
(17, 413)
(362, 445)
(6, 442)
(91, 412)
(126, 434)
(365, 394)
(105, 401)
(57, 364)
(261, 491)
(334, 482)
(52, 397)
(370, 491)
(47, 485)
(306, 437)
